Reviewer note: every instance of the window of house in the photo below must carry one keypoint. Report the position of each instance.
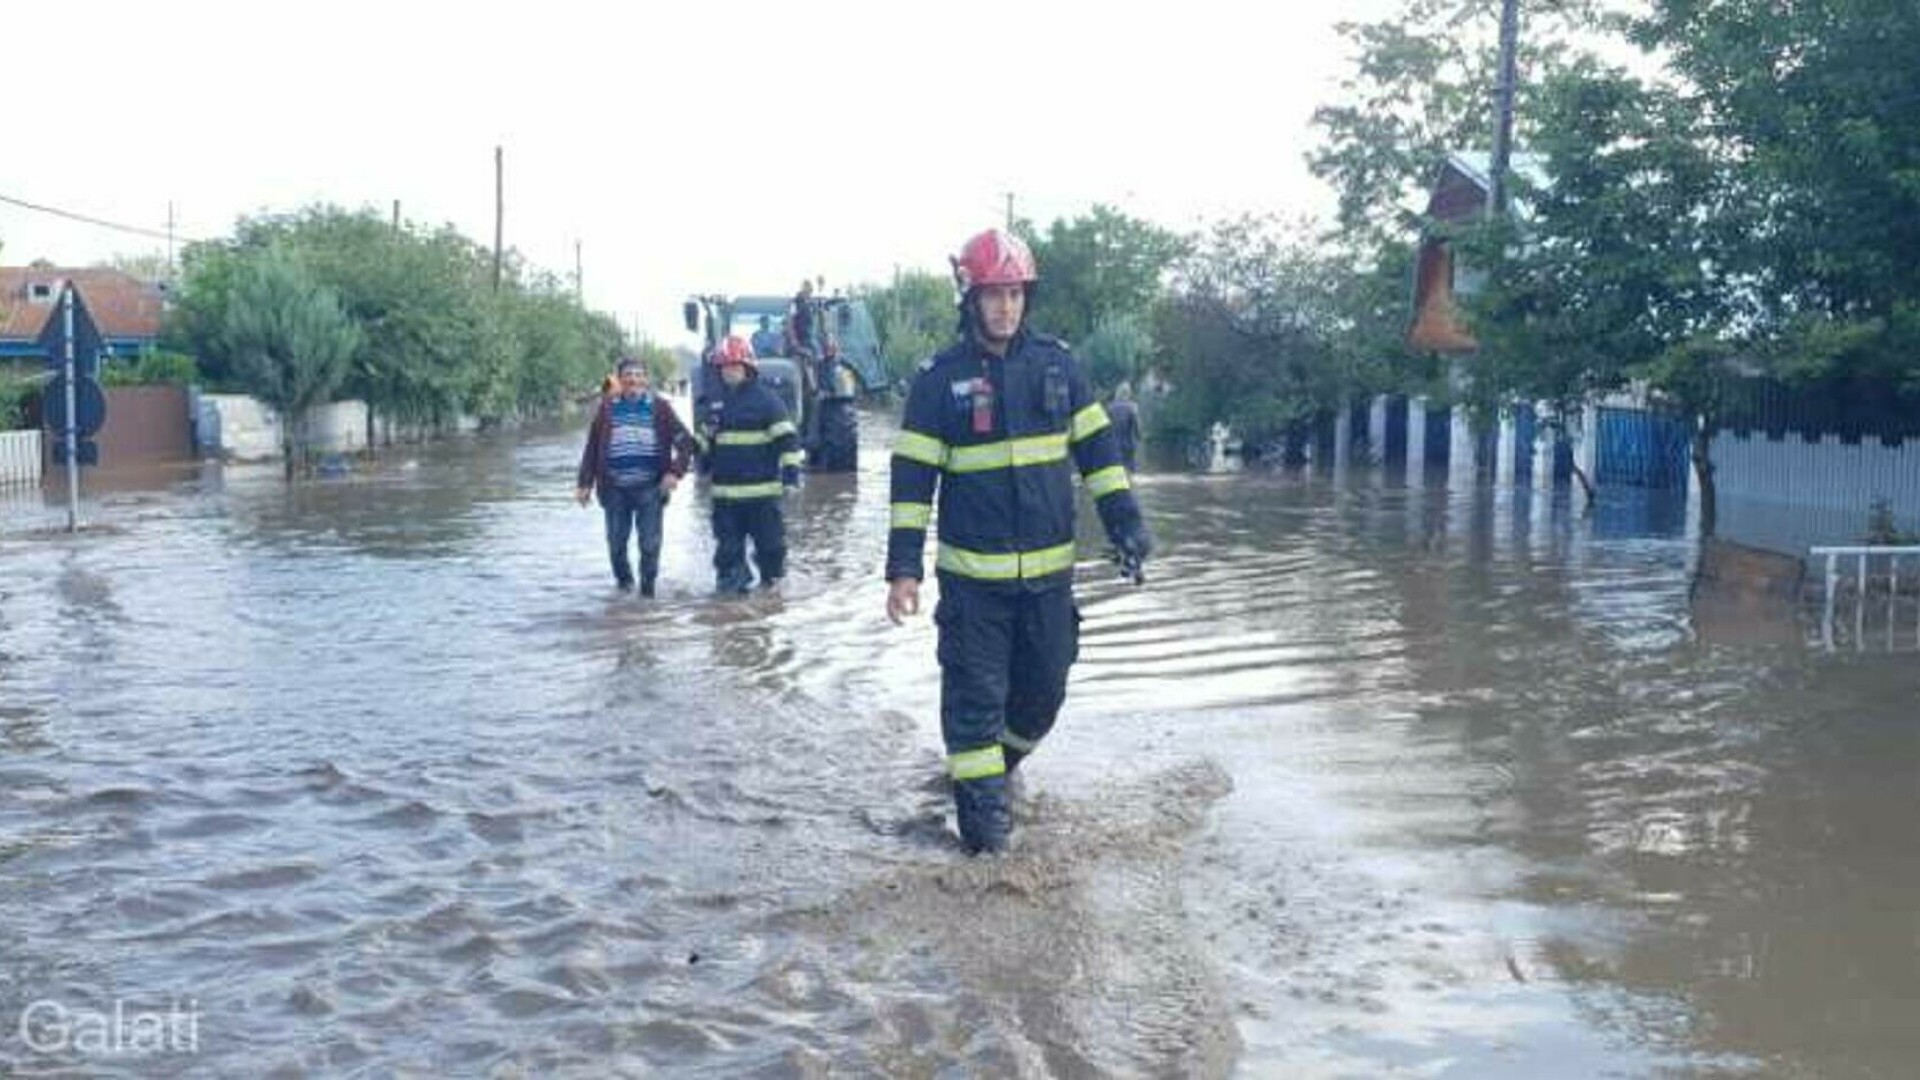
(1467, 280)
(40, 292)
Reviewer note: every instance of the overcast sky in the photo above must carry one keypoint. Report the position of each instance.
(686, 145)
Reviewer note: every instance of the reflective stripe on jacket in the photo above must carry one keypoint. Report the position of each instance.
(752, 445)
(1005, 495)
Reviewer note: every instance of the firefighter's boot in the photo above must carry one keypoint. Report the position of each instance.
(981, 807)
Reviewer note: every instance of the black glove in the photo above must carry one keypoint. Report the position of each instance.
(1132, 543)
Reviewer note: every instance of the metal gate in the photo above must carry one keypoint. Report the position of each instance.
(1641, 449)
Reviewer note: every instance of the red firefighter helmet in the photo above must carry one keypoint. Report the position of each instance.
(734, 350)
(994, 257)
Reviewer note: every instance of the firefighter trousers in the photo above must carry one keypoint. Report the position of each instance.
(734, 520)
(1004, 656)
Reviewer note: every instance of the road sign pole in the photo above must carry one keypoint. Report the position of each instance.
(71, 429)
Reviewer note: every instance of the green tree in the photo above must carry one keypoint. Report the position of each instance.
(1117, 350)
(437, 338)
(1815, 101)
(196, 319)
(662, 365)
(1615, 270)
(1103, 265)
(1420, 88)
(563, 350)
(287, 341)
(1753, 207)
(157, 366)
(418, 298)
(1257, 332)
(1754, 210)
(914, 318)
(15, 393)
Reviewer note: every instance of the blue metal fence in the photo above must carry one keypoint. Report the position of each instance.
(1641, 448)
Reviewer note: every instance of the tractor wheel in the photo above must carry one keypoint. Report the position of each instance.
(839, 448)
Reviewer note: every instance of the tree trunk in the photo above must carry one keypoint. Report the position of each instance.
(369, 447)
(1586, 483)
(1703, 472)
(1563, 431)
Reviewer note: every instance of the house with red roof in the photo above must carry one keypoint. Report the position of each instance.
(127, 309)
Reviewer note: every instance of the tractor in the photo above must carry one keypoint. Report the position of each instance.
(819, 380)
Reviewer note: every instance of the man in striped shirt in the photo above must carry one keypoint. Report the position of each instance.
(637, 451)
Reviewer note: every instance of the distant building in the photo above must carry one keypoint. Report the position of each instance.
(1794, 466)
(126, 309)
(1461, 190)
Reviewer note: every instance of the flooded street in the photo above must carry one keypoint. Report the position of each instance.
(380, 776)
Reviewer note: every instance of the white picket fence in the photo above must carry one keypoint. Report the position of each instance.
(1852, 576)
(19, 457)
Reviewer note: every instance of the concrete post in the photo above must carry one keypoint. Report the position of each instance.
(1377, 430)
(1506, 448)
(1586, 453)
(1462, 451)
(1543, 444)
(1416, 440)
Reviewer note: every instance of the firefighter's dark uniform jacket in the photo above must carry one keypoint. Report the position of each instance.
(1005, 495)
(754, 453)
(750, 443)
(1008, 627)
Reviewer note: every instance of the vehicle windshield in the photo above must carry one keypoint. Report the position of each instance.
(746, 325)
(744, 321)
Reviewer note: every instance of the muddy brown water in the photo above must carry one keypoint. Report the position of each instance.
(378, 776)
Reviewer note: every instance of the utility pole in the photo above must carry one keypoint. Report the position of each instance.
(1009, 211)
(1503, 105)
(70, 432)
(396, 215)
(579, 278)
(499, 209)
(169, 240)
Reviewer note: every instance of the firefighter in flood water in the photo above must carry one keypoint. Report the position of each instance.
(997, 425)
(755, 455)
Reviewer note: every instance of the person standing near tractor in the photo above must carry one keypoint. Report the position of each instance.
(800, 322)
(766, 340)
(637, 451)
(996, 426)
(754, 453)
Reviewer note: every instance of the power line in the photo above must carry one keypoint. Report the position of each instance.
(153, 234)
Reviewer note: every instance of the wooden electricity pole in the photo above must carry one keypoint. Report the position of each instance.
(1503, 106)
